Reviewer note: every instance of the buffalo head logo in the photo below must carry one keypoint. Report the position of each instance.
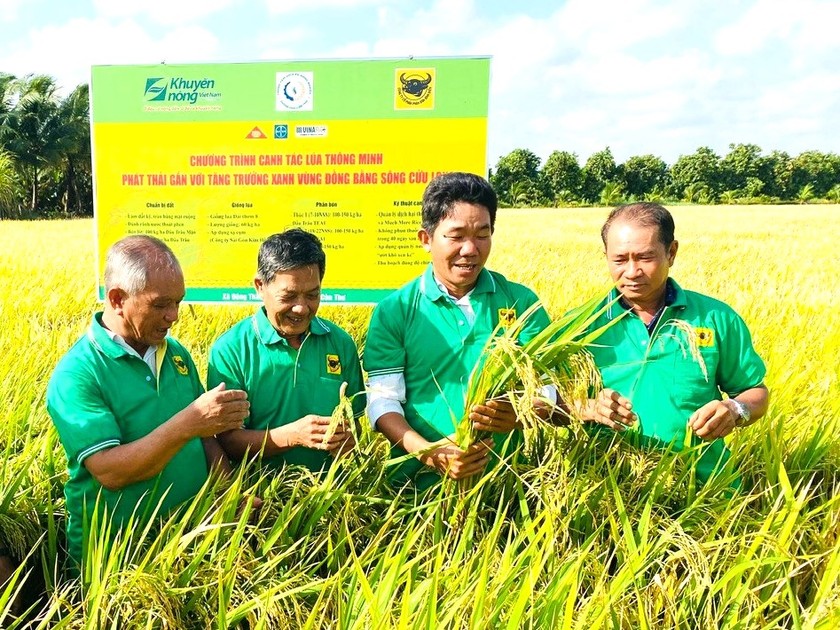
(506, 317)
(415, 86)
(182, 368)
(333, 364)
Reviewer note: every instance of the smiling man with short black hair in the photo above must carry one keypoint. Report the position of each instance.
(290, 362)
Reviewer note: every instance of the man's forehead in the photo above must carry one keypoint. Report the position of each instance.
(631, 231)
(164, 280)
(306, 278)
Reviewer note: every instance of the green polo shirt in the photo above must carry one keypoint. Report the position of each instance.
(657, 373)
(99, 397)
(419, 332)
(283, 383)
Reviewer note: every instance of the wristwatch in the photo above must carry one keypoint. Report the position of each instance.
(743, 412)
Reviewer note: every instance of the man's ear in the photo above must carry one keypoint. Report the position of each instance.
(672, 252)
(116, 299)
(258, 284)
(425, 239)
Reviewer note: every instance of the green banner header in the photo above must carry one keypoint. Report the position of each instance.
(295, 90)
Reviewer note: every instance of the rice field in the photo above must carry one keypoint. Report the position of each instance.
(589, 534)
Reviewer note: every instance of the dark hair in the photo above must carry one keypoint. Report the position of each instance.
(445, 190)
(289, 250)
(645, 214)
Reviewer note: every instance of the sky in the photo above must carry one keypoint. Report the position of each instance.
(639, 76)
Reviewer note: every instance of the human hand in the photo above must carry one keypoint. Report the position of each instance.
(497, 416)
(713, 420)
(309, 432)
(347, 443)
(218, 410)
(613, 410)
(251, 505)
(451, 461)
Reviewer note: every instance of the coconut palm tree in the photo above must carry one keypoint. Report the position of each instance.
(74, 168)
(32, 130)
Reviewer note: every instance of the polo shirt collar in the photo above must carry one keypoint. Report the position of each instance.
(99, 337)
(428, 286)
(674, 296)
(268, 334)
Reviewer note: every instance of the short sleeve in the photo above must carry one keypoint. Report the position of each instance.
(739, 368)
(385, 348)
(355, 382)
(85, 423)
(538, 321)
(224, 366)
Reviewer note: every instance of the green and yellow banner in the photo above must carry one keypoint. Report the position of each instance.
(213, 158)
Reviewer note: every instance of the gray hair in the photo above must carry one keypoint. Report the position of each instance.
(129, 261)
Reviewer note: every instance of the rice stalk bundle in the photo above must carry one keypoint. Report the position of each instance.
(556, 356)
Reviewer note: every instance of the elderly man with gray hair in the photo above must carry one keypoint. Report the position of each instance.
(127, 401)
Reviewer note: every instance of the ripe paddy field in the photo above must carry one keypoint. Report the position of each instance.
(590, 534)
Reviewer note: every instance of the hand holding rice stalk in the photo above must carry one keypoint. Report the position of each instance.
(556, 356)
(341, 419)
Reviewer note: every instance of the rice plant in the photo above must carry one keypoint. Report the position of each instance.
(589, 532)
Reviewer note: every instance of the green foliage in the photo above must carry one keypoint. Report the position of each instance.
(744, 175)
(520, 166)
(48, 139)
(700, 170)
(599, 170)
(643, 174)
(563, 177)
(806, 194)
(8, 185)
(820, 170)
(612, 194)
(745, 169)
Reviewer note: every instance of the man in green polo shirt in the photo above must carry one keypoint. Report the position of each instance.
(127, 402)
(666, 362)
(291, 363)
(425, 338)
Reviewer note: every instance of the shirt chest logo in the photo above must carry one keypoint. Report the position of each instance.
(182, 368)
(506, 317)
(333, 364)
(705, 337)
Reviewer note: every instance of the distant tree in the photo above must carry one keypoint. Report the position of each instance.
(520, 165)
(612, 194)
(745, 162)
(74, 182)
(599, 169)
(833, 195)
(805, 194)
(728, 197)
(780, 165)
(33, 132)
(8, 186)
(562, 176)
(821, 170)
(657, 195)
(700, 169)
(695, 193)
(643, 174)
(524, 194)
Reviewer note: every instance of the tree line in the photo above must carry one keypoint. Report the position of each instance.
(744, 175)
(46, 170)
(45, 163)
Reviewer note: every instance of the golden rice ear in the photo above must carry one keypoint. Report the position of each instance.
(342, 415)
